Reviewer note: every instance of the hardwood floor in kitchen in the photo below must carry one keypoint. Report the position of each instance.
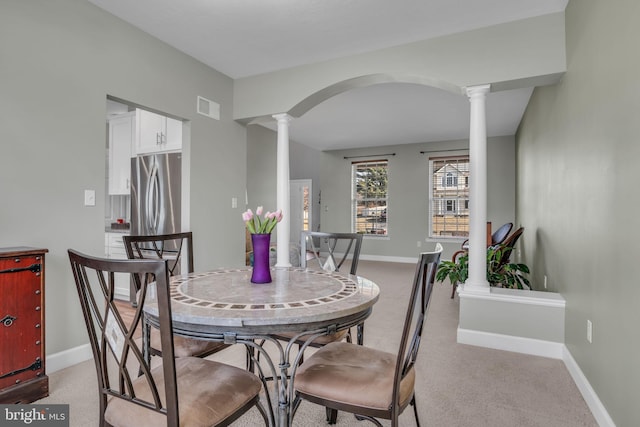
(127, 312)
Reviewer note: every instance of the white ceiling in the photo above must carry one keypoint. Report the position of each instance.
(241, 38)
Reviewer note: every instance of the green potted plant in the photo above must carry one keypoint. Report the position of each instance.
(500, 272)
(456, 271)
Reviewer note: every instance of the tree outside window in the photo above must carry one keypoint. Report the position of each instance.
(369, 197)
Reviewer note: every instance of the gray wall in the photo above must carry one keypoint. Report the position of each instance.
(306, 165)
(578, 196)
(576, 163)
(261, 169)
(59, 62)
(408, 194)
(515, 54)
(408, 187)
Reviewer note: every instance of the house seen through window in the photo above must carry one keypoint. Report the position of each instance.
(449, 196)
(369, 197)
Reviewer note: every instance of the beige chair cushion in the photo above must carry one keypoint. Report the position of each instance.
(208, 392)
(186, 347)
(321, 340)
(353, 375)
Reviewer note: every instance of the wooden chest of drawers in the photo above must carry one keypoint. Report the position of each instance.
(22, 352)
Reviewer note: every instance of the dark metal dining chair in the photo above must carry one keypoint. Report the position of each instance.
(330, 250)
(329, 253)
(188, 391)
(368, 382)
(171, 247)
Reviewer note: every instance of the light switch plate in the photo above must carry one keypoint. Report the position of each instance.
(89, 197)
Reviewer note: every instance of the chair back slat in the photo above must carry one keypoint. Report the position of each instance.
(170, 247)
(332, 250)
(162, 246)
(415, 317)
(114, 337)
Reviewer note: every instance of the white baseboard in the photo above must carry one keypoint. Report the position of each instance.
(66, 358)
(588, 393)
(531, 346)
(406, 260)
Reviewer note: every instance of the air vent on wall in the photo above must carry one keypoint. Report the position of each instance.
(208, 108)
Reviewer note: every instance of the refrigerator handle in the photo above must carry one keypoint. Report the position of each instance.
(153, 207)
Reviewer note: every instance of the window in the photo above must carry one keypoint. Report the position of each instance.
(449, 196)
(369, 197)
(451, 206)
(450, 180)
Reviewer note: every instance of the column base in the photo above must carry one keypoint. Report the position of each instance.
(283, 265)
(476, 287)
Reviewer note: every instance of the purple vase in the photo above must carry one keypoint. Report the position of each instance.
(261, 269)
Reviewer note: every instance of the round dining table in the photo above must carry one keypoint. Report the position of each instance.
(224, 305)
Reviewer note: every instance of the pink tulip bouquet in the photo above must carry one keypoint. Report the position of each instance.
(265, 225)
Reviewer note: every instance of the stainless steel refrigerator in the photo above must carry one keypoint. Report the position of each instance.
(156, 194)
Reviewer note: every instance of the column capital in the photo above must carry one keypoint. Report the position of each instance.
(473, 91)
(282, 117)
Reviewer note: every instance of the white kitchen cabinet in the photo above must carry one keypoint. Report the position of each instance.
(121, 137)
(114, 249)
(157, 133)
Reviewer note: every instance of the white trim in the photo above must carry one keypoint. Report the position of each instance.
(588, 393)
(383, 258)
(377, 236)
(531, 346)
(70, 357)
(516, 296)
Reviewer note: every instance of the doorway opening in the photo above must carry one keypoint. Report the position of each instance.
(301, 192)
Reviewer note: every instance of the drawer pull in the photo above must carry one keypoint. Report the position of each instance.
(33, 367)
(8, 320)
(34, 268)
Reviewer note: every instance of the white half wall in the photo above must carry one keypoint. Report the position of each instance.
(531, 315)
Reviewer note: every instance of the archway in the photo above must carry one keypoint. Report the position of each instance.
(477, 137)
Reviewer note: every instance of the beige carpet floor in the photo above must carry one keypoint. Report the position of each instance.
(457, 385)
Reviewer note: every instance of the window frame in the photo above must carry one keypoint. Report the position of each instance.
(453, 204)
(380, 214)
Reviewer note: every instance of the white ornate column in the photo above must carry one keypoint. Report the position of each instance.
(282, 193)
(477, 280)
